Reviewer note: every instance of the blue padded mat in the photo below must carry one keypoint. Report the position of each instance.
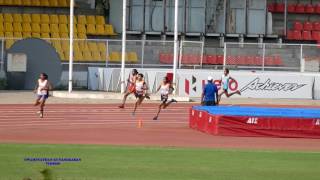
(261, 111)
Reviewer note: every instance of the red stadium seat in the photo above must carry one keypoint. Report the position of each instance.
(309, 9)
(220, 59)
(184, 59)
(290, 35)
(299, 8)
(166, 58)
(162, 58)
(205, 60)
(198, 59)
(211, 59)
(316, 26)
(258, 60)
(234, 60)
(297, 25)
(189, 59)
(317, 9)
(241, 60)
(316, 35)
(307, 26)
(169, 58)
(297, 35)
(268, 61)
(195, 59)
(279, 7)
(272, 7)
(278, 60)
(291, 8)
(306, 35)
(228, 60)
(231, 60)
(250, 60)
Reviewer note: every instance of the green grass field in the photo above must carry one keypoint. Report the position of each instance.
(138, 163)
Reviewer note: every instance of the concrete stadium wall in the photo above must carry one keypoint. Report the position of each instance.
(41, 57)
(197, 16)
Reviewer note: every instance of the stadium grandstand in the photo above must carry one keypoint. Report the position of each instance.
(267, 35)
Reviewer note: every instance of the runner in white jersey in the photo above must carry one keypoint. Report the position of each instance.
(140, 91)
(42, 90)
(165, 89)
(225, 79)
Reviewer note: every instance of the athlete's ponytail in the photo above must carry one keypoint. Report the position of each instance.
(45, 76)
(134, 71)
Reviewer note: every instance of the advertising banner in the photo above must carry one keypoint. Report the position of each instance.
(191, 82)
(107, 73)
(101, 80)
(93, 78)
(275, 86)
(316, 88)
(252, 85)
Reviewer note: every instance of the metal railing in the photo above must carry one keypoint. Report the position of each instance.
(272, 56)
(192, 54)
(139, 53)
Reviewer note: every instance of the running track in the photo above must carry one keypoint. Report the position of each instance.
(106, 124)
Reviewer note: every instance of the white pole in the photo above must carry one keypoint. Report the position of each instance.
(123, 58)
(201, 55)
(263, 56)
(2, 55)
(181, 52)
(143, 49)
(176, 43)
(224, 56)
(302, 62)
(107, 53)
(71, 46)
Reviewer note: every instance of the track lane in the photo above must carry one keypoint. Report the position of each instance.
(107, 124)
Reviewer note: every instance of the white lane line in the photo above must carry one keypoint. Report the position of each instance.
(93, 111)
(94, 120)
(89, 116)
(86, 127)
(91, 123)
(67, 121)
(88, 110)
(19, 114)
(96, 107)
(52, 116)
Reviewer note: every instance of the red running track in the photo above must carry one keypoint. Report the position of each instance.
(106, 124)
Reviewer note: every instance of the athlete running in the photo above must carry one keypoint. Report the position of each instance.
(130, 86)
(42, 90)
(165, 89)
(140, 91)
(225, 79)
